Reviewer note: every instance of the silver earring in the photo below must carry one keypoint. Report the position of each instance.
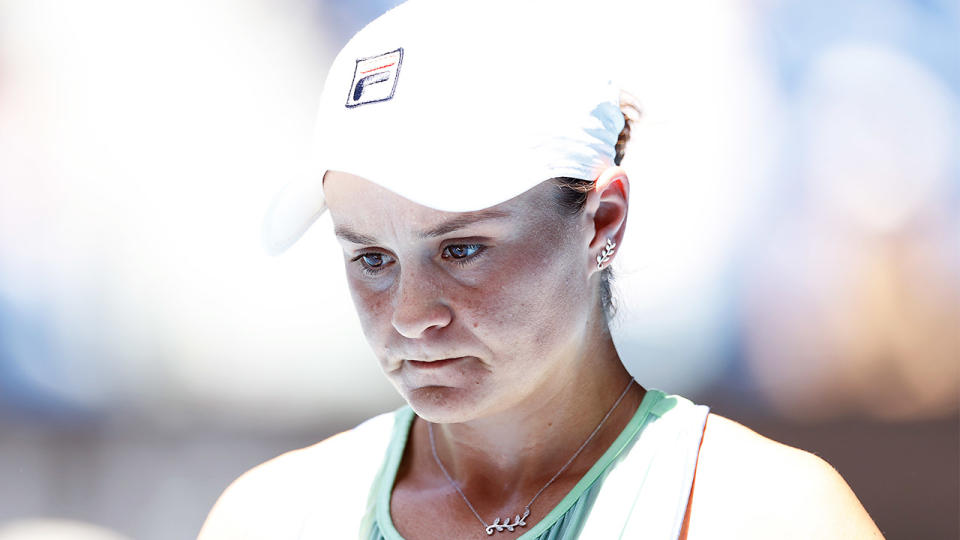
(604, 255)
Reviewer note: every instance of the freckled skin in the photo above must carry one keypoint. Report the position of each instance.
(519, 310)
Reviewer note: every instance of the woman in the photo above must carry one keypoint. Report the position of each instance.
(473, 181)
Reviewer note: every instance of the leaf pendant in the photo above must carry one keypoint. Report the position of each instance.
(518, 521)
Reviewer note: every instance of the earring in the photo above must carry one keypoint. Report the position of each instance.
(604, 255)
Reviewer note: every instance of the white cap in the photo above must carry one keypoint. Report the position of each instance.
(459, 106)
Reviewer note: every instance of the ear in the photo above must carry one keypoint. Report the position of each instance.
(606, 209)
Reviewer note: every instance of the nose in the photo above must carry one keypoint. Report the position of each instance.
(419, 306)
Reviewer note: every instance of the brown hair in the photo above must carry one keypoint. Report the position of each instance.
(572, 195)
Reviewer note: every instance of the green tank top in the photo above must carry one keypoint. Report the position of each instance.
(663, 469)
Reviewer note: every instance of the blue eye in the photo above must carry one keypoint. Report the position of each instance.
(462, 252)
(372, 260)
(372, 263)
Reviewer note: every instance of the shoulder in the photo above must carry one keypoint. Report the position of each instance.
(272, 500)
(749, 486)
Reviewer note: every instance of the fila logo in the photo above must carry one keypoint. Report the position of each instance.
(375, 78)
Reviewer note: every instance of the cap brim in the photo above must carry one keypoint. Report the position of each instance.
(293, 210)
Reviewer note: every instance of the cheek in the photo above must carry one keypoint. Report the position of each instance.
(530, 301)
(372, 307)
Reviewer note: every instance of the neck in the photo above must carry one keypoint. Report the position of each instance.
(516, 451)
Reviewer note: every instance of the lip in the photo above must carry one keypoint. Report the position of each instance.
(434, 364)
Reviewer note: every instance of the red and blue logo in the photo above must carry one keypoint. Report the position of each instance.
(375, 78)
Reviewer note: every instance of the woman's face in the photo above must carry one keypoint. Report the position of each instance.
(468, 313)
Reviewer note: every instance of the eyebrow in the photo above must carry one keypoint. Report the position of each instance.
(446, 227)
(350, 235)
(462, 221)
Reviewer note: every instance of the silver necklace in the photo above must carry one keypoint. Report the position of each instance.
(518, 520)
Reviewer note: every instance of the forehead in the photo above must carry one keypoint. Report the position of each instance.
(356, 202)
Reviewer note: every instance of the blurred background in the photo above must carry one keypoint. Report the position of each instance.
(792, 258)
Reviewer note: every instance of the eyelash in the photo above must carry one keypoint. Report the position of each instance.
(364, 267)
(467, 259)
(459, 261)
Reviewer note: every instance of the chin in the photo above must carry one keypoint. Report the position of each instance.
(455, 392)
(444, 404)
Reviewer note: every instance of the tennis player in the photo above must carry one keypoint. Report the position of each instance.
(470, 164)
